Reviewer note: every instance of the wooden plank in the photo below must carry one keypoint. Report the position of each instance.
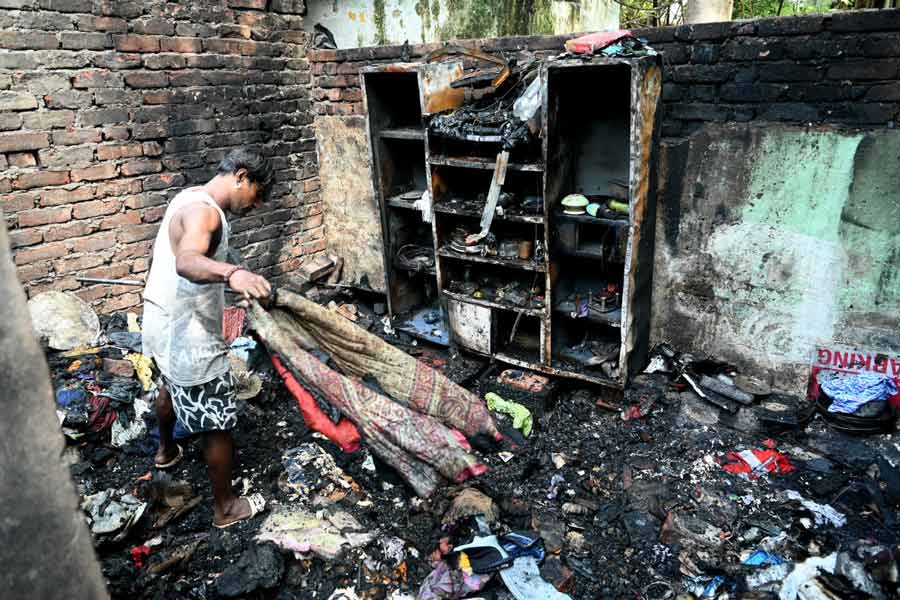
(478, 162)
(551, 370)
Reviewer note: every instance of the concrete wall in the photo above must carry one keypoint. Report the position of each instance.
(772, 241)
(780, 201)
(107, 109)
(357, 23)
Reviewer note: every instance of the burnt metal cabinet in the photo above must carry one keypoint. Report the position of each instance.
(599, 138)
(397, 98)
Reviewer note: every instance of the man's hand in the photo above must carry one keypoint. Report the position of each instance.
(250, 285)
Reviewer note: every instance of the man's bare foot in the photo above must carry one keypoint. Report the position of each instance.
(167, 457)
(236, 510)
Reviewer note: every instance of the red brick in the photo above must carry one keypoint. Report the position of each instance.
(28, 40)
(18, 202)
(28, 273)
(152, 215)
(80, 263)
(96, 208)
(105, 171)
(152, 148)
(182, 44)
(22, 159)
(65, 196)
(42, 252)
(121, 303)
(26, 181)
(108, 272)
(64, 232)
(92, 293)
(137, 233)
(25, 237)
(91, 23)
(129, 217)
(140, 167)
(311, 185)
(119, 188)
(116, 151)
(59, 284)
(76, 136)
(154, 79)
(136, 43)
(132, 251)
(93, 243)
(44, 216)
(140, 265)
(97, 78)
(16, 142)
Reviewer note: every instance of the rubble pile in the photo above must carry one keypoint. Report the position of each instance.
(660, 493)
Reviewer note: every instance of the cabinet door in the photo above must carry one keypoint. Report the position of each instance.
(471, 326)
(351, 216)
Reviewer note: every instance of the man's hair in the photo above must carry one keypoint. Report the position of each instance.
(259, 170)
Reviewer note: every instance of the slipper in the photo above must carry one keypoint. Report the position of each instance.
(172, 462)
(257, 505)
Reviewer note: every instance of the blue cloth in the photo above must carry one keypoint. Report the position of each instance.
(67, 396)
(761, 557)
(849, 391)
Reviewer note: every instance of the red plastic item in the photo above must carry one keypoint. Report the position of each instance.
(344, 434)
(592, 42)
(753, 463)
(139, 554)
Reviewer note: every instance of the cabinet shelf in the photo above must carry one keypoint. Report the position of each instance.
(514, 263)
(534, 312)
(477, 162)
(613, 318)
(466, 212)
(402, 133)
(400, 202)
(589, 220)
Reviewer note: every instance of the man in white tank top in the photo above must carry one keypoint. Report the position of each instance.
(182, 325)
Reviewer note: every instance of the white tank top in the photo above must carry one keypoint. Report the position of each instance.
(182, 322)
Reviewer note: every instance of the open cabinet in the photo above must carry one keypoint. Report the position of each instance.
(396, 98)
(565, 294)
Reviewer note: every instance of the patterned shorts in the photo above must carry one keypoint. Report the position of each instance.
(207, 407)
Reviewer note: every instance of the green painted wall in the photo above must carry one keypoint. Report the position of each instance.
(357, 23)
(773, 240)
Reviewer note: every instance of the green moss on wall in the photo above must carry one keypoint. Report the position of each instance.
(378, 18)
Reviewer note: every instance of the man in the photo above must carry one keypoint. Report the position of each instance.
(182, 325)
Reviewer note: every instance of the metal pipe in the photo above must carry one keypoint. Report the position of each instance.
(133, 282)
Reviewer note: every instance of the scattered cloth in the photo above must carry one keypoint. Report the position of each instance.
(469, 503)
(343, 433)
(444, 583)
(521, 416)
(101, 414)
(110, 511)
(592, 42)
(849, 391)
(123, 434)
(761, 558)
(308, 469)
(295, 529)
(143, 367)
(233, 319)
(824, 513)
(750, 464)
(126, 339)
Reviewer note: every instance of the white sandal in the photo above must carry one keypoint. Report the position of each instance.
(257, 505)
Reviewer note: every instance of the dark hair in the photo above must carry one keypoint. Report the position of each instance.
(259, 170)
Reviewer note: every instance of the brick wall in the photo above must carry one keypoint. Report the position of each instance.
(108, 108)
(841, 68)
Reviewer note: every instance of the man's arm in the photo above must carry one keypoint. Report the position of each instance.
(198, 225)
